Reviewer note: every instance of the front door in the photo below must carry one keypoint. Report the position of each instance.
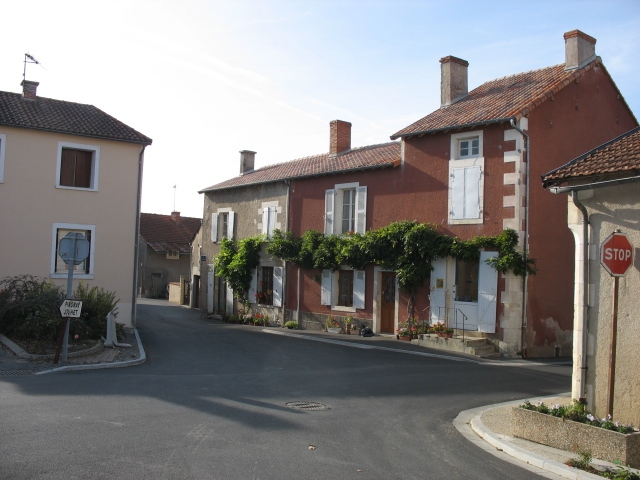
(438, 290)
(388, 303)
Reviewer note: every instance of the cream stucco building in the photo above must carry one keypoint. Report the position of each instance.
(604, 197)
(68, 167)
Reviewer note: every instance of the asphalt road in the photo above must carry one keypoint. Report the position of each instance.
(210, 403)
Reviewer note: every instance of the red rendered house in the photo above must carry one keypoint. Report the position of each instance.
(466, 168)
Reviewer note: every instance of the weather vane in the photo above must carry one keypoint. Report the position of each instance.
(29, 59)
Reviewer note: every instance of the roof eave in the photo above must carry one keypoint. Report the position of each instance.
(456, 127)
(65, 132)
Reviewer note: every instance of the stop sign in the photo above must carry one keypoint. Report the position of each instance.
(616, 254)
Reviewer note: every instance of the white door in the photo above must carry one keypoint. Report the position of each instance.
(438, 294)
(210, 296)
(487, 294)
(465, 296)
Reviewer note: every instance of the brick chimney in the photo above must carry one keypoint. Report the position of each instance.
(29, 89)
(579, 49)
(247, 161)
(175, 216)
(453, 80)
(340, 133)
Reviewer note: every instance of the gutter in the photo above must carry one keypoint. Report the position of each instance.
(452, 127)
(136, 241)
(525, 243)
(591, 186)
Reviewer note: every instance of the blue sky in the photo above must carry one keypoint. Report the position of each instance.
(206, 79)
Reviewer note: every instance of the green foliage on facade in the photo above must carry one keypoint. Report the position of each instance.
(235, 262)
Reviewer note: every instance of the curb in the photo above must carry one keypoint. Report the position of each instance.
(96, 366)
(470, 421)
(20, 353)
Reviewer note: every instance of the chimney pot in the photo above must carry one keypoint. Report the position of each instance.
(453, 80)
(247, 161)
(29, 89)
(340, 137)
(579, 49)
(175, 216)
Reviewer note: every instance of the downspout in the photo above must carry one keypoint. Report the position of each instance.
(581, 341)
(525, 243)
(134, 295)
(286, 276)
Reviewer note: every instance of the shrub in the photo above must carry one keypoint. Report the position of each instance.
(291, 324)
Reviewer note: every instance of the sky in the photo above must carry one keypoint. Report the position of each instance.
(206, 79)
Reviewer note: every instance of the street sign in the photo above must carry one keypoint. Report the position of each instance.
(71, 309)
(66, 248)
(616, 254)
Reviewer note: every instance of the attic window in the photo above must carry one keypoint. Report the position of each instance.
(468, 147)
(173, 255)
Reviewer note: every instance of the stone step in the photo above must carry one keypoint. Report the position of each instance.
(480, 347)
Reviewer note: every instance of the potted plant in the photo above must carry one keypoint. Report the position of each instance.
(347, 322)
(291, 324)
(332, 325)
(407, 330)
(442, 331)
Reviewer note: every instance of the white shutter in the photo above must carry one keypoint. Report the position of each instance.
(487, 294)
(210, 283)
(325, 288)
(214, 227)
(457, 194)
(265, 220)
(232, 218)
(472, 192)
(329, 199)
(438, 291)
(358, 289)
(272, 221)
(361, 210)
(229, 305)
(277, 286)
(253, 285)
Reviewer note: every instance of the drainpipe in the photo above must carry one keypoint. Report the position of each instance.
(137, 238)
(581, 321)
(525, 243)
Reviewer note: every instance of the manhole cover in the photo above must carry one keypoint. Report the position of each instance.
(307, 406)
(14, 373)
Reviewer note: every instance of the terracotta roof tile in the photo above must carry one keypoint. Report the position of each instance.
(620, 155)
(499, 100)
(64, 117)
(373, 156)
(163, 234)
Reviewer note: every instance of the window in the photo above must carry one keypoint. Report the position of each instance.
(268, 216)
(77, 166)
(467, 281)
(466, 178)
(343, 289)
(173, 255)
(3, 140)
(59, 269)
(345, 209)
(266, 286)
(222, 224)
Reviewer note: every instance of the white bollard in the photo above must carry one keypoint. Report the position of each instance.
(112, 339)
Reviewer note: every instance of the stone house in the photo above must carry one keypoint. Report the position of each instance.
(603, 187)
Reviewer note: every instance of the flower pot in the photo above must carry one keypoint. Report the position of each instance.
(406, 338)
(334, 329)
(445, 334)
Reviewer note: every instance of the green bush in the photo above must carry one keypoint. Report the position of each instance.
(30, 310)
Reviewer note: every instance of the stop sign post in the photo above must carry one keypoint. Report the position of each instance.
(616, 256)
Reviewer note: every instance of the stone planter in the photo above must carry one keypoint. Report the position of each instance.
(576, 437)
(334, 329)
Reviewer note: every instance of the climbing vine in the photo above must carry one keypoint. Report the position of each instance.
(408, 248)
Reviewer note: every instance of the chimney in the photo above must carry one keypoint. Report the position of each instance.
(453, 80)
(340, 133)
(247, 161)
(175, 216)
(579, 49)
(29, 89)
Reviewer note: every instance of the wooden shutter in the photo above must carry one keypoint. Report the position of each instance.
(214, 227)
(361, 210)
(487, 294)
(472, 192)
(358, 289)
(272, 221)
(329, 199)
(457, 194)
(277, 286)
(84, 160)
(231, 222)
(67, 167)
(253, 286)
(325, 288)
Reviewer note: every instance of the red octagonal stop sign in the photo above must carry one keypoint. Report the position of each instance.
(616, 254)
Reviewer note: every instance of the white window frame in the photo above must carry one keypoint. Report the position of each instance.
(95, 165)
(333, 208)
(3, 141)
(467, 167)
(278, 283)
(215, 231)
(92, 249)
(268, 215)
(330, 290)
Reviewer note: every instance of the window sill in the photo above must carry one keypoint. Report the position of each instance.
(340, 308)
(467, 221)
(83, 276)
(64, 187)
